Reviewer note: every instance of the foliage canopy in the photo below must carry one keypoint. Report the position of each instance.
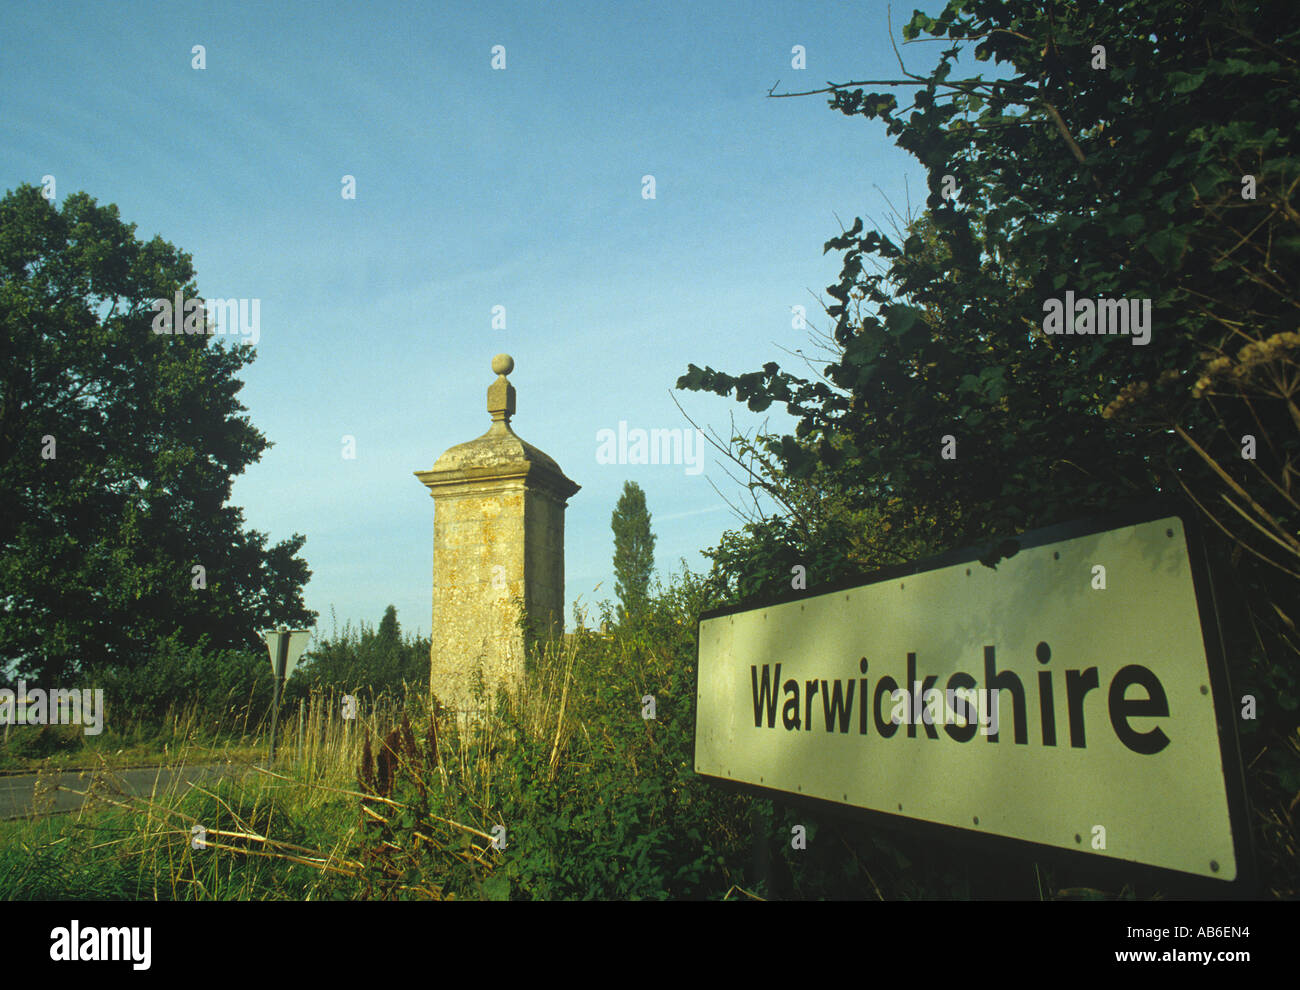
(118, 449)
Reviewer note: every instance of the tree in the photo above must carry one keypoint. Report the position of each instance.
(1117, 183)
(118, 448)
(634, 550)
(389, 637)
(386, 649)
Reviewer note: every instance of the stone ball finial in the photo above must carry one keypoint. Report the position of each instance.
(501, 394)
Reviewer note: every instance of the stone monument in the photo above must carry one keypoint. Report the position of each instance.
(498, 545)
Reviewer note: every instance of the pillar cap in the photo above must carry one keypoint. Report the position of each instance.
(501, 394)
(499, 453)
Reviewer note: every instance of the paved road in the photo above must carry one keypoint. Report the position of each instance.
(17, 793)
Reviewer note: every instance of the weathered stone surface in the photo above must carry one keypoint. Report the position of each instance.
(498, 542)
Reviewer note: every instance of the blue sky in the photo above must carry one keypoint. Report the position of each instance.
(475, 187)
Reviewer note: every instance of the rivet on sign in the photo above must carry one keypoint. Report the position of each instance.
(846, 598)
(846, 797)
(1056, 555)
(1169, 533)
(1214, 865)
(977, 819)
(1204, 689)
(901, 584)
(1078, 838)
(900, 807)
(968, 572)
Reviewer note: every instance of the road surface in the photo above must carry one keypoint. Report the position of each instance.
(17, 793)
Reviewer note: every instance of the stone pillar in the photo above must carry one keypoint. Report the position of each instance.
(498, 544)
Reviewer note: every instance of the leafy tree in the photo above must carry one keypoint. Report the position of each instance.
(118, 448)
(634, 549)
(1123, 182)
(388, 638)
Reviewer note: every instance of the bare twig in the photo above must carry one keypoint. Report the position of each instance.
(1292, 543)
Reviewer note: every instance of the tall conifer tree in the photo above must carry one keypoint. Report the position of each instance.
(634, 550)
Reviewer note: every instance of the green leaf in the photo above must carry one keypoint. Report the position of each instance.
(1167, 246)
(1185, 82)
(901, 320)
(1126, 226)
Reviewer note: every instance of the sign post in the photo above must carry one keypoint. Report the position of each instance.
(285, 647)
(1071, 701)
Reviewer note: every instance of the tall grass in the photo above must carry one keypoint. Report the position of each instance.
(277, 831)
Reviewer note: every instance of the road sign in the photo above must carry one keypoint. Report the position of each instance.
(285, 647)
(1072, 697)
